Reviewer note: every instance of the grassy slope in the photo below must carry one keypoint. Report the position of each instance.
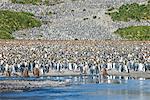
(132, 12)
(11, 21)
(135, 32)
(37, 2)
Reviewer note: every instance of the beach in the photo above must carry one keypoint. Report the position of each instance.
(16, 85)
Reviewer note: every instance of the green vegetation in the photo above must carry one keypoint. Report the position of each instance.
(130, 12)
(37, 2)
(135, 32)
(11, 21)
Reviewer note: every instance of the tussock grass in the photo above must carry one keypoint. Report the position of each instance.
(130, 12)
(135, 32)
(37, 2)
(11, 21)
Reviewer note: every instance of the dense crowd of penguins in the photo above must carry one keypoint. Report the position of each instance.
(90, 59)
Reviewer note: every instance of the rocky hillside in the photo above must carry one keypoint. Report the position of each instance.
(73, 19)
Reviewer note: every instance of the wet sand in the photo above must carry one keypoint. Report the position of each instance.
(16, 85)
(51, 73)
(135, 74)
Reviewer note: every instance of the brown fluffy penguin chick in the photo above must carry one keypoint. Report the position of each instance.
(104, 71)
(25, 73)
(8, 73)
(36, 72)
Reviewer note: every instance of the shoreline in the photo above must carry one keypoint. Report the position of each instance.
(22, 85)
(22, 41)
(136, 74)
(17, 85)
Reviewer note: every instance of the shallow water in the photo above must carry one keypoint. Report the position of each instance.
(85, 88)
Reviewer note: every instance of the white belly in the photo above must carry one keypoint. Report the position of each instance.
(57, 67)
(126, 68)
(13, 69)
(6, 68)
(70, 67)
(113, 66)
(141, 67)
(75, 67)
(41, 71)
(109, 66)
